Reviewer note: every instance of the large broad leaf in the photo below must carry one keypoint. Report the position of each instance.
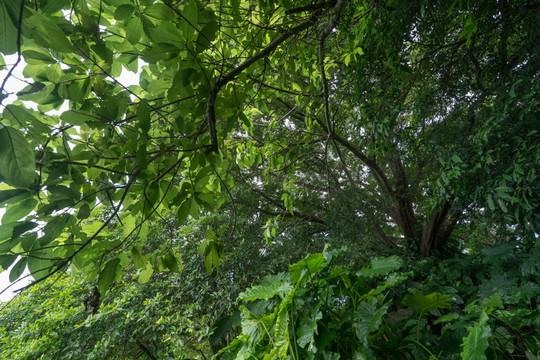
(12, 195)
(17, 162)
(17, 270)
(476, 342)
(368, 318)
(172, 261)
(18, 211)
(159, 11)
(381, 266)
(281, 333)
(54, 228)
(47, 34)
(266, 292)
(40, 262)
(111, 272)
(8, 32)
(428, 302)
(146, 273)
(307, 328)
(6, 261)
(134, 30)
(306, 268)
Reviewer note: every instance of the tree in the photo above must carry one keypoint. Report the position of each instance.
(313, 106)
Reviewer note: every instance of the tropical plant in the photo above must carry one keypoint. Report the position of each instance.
(386, 311)
(260, 131)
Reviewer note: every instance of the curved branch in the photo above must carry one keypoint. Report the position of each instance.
(225, 79)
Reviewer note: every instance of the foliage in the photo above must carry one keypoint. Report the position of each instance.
(337, 312)
(379, 124)
(260, 131)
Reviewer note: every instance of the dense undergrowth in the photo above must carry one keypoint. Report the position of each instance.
(472, 306)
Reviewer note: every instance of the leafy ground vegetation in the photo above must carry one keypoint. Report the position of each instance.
(287, 179)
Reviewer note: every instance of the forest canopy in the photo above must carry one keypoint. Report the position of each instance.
(263, 131)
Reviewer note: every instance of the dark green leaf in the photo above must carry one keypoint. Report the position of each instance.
(138, 259)
(124, 12)
(18, 211)
(143, 116)
(6, 261)
(21, 228)
(12, 195)
(17, 163)
(84, 212)
(111, 272)
(8, 32)
(368, 318)
(183, 211)
(54, 228)
(17, 270)
(40, 262)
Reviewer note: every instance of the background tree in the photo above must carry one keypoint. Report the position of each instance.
(392, 126)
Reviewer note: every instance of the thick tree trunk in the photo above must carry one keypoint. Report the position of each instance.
(436, 230)
(437, 226)
(431, 238)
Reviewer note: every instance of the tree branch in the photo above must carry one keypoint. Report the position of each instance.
(224, 80)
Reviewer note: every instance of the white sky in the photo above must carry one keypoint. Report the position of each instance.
(13, 85)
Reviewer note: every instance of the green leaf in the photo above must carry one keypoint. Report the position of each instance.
(159, 11)
(6, 261)
(281, 333)
(124, 12)
(134, 30)
(266, 292)
(368, 318)
(306, 268)
(172, 261)
(428, 302)
(447, 318)
(17, 270)
(40, 263)
(307, 328)
(381, 266)
(183, 211)
(502, 205)
(145, 275)
(189, 23)
(13, 195)
(491, 204)
(17, 162)
(18, 211)
(75, 117)
(46, 33)
(109, 274)
(143, 116)
(34, 88)
(207, 34)
(54, 228)
(20, 229)
(138, 259)
(6, 231)
(84, 211)
(8, 32)
(476, 342)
